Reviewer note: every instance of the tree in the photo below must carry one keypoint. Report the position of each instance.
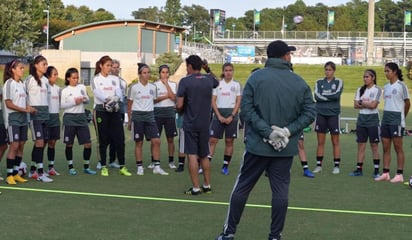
(149, 14)
(173, 12)
(197, 18)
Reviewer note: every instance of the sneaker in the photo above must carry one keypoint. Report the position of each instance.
(140, 171)
(383, 177)
(180, 168)
(376, 175)
(191, 192)
(104, 172)
(19, 179)
(225, 237)
(356, 173)
(225, 171)
(33, 175)
(89, 171)
(72, 171)
(44, 178)
(151, 166)
(172, 165)
(123, 171)
(10, 180)
(159, 170)
(317, 169)
(114, 165)
(336, 170)
(207, 190)
(397, 179)
(200, 171)
(99, 165)
(53, 172)
(308, 173)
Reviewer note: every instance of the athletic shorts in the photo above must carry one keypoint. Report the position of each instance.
(53, 133)
(141, 130)
(82, 133)
(391, 131)
(197, 143)
(169, 125)
(17, 133)
(363, 133)
(323, 124)
(217, 129)
(38, 129)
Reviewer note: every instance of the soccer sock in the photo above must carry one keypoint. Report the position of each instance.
(319, 160)
(33, 166)
(16, 166)
(359, 166)
(376, 165)
(399, 171)
(171, 159)
(226, 160)
(210, 158)
(304, 164)
(139, 163)
(156, 163)
(87, 152)
(69, 156)
(9, 165)
(37, 156)
(182, 161)
(336, 161)
(70, 163)
(386, 170)
(50, 156)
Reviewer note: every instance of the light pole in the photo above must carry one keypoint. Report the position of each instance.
(48, 24)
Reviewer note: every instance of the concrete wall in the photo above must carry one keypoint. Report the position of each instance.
(62, 59)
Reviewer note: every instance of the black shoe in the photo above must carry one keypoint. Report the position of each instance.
(207, 190)
(225, 237)
(180, 169)
(191, 192)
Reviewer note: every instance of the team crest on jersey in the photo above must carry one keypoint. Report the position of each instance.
(372, 95)
(333, 87)
(233, 89)
(114, 83)
(394, 91)
(151, 92)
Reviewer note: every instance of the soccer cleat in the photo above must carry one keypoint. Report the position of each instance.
(225, 237)
(317, 169)
(356, 173)
(19, 179)
(225, 170)
(397, 179)
(172, 165)
(104, 172)
(191, 192)
(72, 171)
(89, 171)
(151, 165)
(114, 165)
(383, 177)
(10, 180)
(308, 173)
(33, 175)
(336, 170)
(99, 165)
(207, 190)
(376, 175)
(123, 171)
(140, 171)
(159, 170)
(53, 172)
(200, 171)
(44, 178)
(180, 168)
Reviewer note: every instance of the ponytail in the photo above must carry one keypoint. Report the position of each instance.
(33, 70)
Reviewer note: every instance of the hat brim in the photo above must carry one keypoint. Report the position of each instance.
(292, 48)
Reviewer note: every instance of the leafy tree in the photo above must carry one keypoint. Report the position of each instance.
(149, 14)
(196, 18)
(172, 12)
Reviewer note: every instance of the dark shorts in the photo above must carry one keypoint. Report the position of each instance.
(363, 133)
(217, 129)
(17, 133)
(38, 129)
(53, 133)
(197, 143)
(82, 133)
(391, 131)
(140, 130)
(323, 124)
(169, 124)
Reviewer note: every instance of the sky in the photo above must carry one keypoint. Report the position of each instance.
(122, 9)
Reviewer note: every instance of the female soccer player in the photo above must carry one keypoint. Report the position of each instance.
(367, 100)
(395, 109)
(16, 111)
(141, 112)
(327, 95)
(73, 98)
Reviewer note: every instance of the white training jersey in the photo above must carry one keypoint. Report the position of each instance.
(143, 97)
(37, 95)
(395, 95)
(104, 87)
(54, 98)
(226, 93)
(162, 91)
(371, 94)
(16, 92)
(68, 96)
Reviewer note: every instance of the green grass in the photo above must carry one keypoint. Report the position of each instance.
(164, 212)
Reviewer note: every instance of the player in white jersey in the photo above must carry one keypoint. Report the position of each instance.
(367, 100)
(107, 95)
(15, 116)
(165, 110)
(3, 133)
(225, 103)
(142, 120)
(53, 124)
(395, 110)
(72, 100)
(37, 97)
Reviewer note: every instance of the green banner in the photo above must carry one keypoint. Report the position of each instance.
(257, 17)
(407, 18)
(331, 17)
(217, 17)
